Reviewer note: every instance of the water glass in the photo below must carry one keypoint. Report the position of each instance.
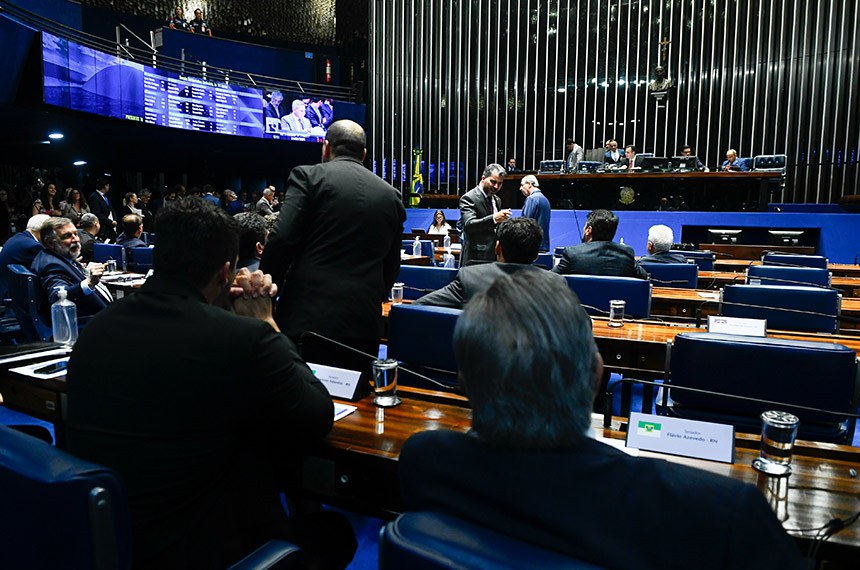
(385, 383)
(778, 432)
(397, 294)
(110, 267)
(616, 313)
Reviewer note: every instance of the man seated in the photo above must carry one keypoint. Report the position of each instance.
(22, 248)
(733, 163)
(56, 268)
(201, 431)
(252, 239)
(630, 160)
(132, 227)
(531, 467)
(598, 254)
(660, 240)
(516, 249)
(88, 234)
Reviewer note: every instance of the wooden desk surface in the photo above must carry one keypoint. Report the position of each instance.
(625, 174)
(740, 266)
(716, 279)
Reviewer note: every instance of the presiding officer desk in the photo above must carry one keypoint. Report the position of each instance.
(740, 265)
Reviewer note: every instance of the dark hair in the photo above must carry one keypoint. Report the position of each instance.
(102, 182)
(346, 138)
(195, 238)
(569, 141)
(436, 213)
(685, 147)
(603, 225)
(527, 357)
(519, 239)
(631, 147)
(252, 229)
(130, 224)
(492, 169)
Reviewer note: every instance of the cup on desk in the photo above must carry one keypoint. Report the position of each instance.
(110, 266)
(397, 294)
(385, 383)
(778, 432)
(616, 312)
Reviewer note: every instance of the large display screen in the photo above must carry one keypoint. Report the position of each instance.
(83, 79)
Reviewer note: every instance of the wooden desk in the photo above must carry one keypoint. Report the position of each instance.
(414, 260)
(743, 251)
(850, 286)
(357, 468)
(740, 266)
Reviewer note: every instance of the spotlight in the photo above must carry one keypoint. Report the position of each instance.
(79, 162)
(55, 136)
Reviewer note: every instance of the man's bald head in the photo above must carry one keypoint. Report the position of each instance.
(346, 138)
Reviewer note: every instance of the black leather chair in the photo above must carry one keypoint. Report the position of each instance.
(793, 308)
(422, 338)
(26, 299)
(819, 375)
(64, 512)
(433, 541)
(680, 275)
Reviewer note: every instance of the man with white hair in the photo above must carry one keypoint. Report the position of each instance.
(660, 240)
(22, 248)
(536, 207)
(296, 121)
(264, 205)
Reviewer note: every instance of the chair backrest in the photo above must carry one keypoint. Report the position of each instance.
(544, 260)
(422, 338)
(104, 251)
(428, 248)
(703, 259)
(139, 259)
(795, 308)
(68, 513)
(794, 260)
(25, 294)
(595, 292)
(779, 275)
(813, 374)
(430, 541)
(681, 275)
(148, 238)
(418, 281)
(769, 162)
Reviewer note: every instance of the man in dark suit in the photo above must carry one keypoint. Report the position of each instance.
(528, 362)
(101, 207)
(88, 234)
(516, 249)
(480, 213)
(660, 240)
(199, 432)
(132, 228)
(612, 156)
(22, 248)
(630, 160)
(598, 254)
(56, 268)
(336, 250)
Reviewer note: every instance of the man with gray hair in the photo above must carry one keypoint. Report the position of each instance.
(536, 207)
(264, 204)
(56, 268)
(232, 203)
(480, 213)
(660, 240)
(88, 233)
(296, 121)
(22, 248)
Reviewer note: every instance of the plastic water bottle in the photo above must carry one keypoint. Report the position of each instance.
(416, 246)
(448, 260)
(446, 243)
(64, 319)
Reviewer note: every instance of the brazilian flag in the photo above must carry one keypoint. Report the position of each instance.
(417, 178)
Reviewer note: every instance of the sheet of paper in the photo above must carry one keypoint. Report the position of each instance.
(342, 410)
(34, 355)
(36, 370)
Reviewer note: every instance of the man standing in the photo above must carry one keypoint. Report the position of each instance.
(574, 155)
(480, 212)
(612, 156)
(336, 250)
(101, 207)
(198, 435)
(598, 254)
(536, 207)
(660, 240)
(56, 267)
(88, 233)
(527, 360)
(198, 25)
(264, 204)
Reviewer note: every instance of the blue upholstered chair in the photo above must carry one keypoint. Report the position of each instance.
(558, 251)
(794, 260)
(813, 374)
(544, 260)
(428, 248)
(139, 259)
(104, 251)
(595, 292)
(433, 541)
(26, 299)
(704, 260)
(418, 281)
(421, 337)
(681, 275)
(809, 309)
(64, 512)
(781, 275)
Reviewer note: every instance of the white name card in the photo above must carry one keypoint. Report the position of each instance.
(737, 325)
(339, 382)
(676, 436)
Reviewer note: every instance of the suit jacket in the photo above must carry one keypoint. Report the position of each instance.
(195, 434)
(295, 123)
(263, 207)
(20, 249)
(574, 157)
(600, 258)
(477, 228)
(104, 211)
(234, 207)
(335, 249)
(637, 161)
(87, 242)
(607, 157)
(127, 242)
(663, 257)
(55, 271)
(472, 280)
(593, 502)
(537, 207)
(314, 117)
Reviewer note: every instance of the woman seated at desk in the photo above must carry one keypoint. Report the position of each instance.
(439, 225)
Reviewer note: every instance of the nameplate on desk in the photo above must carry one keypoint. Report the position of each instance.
(339, 382)
(676, 436)
(737, 325)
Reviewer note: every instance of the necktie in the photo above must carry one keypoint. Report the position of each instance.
(490, 205)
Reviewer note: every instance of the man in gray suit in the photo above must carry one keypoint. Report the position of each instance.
(480, 213)
(517, 247)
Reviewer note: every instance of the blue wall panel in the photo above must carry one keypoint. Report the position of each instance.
(17, 40)
(60, 11)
